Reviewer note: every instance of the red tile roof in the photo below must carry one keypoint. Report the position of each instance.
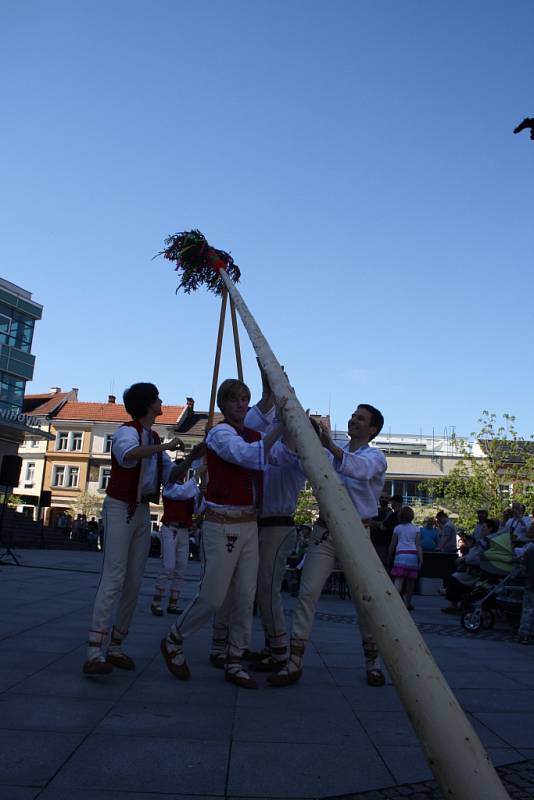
(112, 412)
(42, 404)
(195, 423)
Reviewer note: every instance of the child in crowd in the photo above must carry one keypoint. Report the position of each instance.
(406, 549)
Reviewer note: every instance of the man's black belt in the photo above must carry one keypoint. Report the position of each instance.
(275, 522)
(176, 524)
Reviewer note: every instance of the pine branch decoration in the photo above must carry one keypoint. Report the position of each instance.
(198, 261)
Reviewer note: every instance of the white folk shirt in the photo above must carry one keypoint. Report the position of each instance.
(362, 473)
(224, 440)
(283, 478)
(519, 527)
(124, 440)
(188, 490)
(283, 481)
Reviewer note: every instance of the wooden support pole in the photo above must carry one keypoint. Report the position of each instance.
(451, 746)
(236, 340)
(216, 365)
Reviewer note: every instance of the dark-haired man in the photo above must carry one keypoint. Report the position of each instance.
(139, 465)
(236, 457)
(362, 470)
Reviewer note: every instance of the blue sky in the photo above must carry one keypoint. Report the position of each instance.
(356, 157)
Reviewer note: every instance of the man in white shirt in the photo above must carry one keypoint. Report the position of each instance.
(519, 523)
(362, 470)
(448, 537)
(283, 480)
(236, 457)
(139, 465)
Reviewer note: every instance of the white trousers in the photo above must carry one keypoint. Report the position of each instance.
(126, 547)
(229, 555)
(275, 545)
(319, 563)
(175, 552)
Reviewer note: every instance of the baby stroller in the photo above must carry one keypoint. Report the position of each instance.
(499, 587)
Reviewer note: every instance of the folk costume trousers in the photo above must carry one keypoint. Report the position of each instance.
(320, 561)
(275, 545)
(126, 548)
(175, 552)
(229, 553)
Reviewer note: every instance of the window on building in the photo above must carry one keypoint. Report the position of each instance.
(73, 475)
(33, 443)
(105, 474)
(5, 326)
(16, 329)
(69, 441)
(58, 475)
(29, 475)
(154, 526)
(11, 392)
(62, 440)
(107, 443)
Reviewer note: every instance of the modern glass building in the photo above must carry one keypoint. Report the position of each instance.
(18, 313)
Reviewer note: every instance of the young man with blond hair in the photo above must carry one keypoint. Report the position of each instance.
(236, 457)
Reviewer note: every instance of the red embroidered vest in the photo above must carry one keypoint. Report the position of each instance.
(123, 482)
(230, 484)
(177, 511)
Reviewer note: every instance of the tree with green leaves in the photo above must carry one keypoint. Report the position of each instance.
(307, 509)
(87, 503)
(495, 467)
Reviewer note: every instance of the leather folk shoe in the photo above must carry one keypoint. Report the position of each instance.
(180, 671)
(241, 679)
(96, 666)
(120, 660)
(267, 664)
(218, 660)
(375, 677)
(284, 677)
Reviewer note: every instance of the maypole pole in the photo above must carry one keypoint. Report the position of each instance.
(462, 768)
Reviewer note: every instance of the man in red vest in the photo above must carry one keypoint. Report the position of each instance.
(139, 465)
(180, 502)
(236, 457)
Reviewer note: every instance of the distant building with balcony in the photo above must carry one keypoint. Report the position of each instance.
(413, 461)
(18, 314)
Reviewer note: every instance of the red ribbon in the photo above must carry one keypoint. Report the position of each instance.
(215, 261)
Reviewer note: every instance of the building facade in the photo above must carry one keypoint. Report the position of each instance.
(18, 314)
(74, 465)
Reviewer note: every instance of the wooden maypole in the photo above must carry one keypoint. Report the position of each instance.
(453, 750)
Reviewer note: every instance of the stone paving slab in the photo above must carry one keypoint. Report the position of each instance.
(31, 758)
(143, 735)
(53, 793)
(131, 763)
(309, 771)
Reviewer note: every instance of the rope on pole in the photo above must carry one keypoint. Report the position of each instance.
(236, 341)
(217, 362)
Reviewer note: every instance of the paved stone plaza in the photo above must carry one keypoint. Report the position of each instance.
(145, 735)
